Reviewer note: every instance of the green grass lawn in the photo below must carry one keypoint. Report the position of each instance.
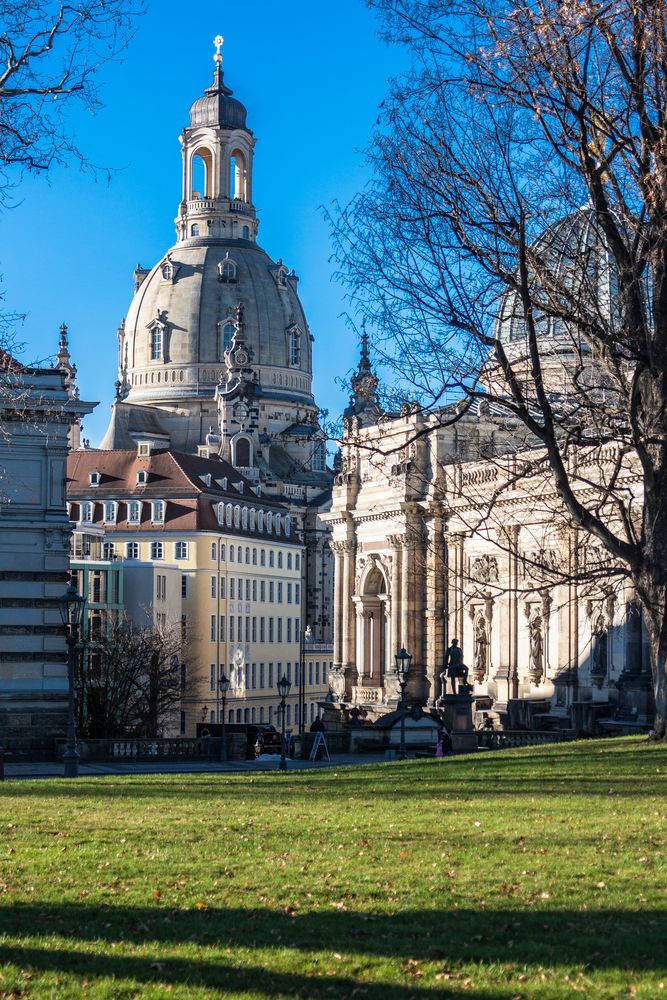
(532, 873)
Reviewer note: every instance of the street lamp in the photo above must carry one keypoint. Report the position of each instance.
(223, 688)
(283, 690)
(403, 661)
(70, 606)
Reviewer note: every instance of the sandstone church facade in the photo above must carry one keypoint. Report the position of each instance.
(437, 535)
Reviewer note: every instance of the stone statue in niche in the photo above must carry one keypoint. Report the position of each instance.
(599, 647)
(536, 667)
(481, 649)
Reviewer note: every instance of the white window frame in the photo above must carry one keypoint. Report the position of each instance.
(85, 507)
(130, 505)
(113, 506)
(182, 548)
(158, 511)
(157, 551)
(108, 550)
(132, 547)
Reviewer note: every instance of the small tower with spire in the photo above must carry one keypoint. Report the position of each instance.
(217, 149)
(364, 403)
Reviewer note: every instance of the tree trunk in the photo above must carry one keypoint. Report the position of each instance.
(653, 597)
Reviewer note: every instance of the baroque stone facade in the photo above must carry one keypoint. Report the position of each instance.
(432, 542)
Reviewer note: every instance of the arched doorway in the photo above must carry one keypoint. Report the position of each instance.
(373, 641)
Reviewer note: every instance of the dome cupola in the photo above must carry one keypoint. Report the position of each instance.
(217, 149)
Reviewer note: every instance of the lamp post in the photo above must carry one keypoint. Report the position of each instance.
(403, 661)
(223, 688)
(283, 690)
(305, 639)
(71, 612)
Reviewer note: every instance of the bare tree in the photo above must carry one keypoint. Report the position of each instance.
(51, 53)
(512, 248)
(130, 680)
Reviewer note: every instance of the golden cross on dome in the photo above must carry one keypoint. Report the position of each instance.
(218, 41)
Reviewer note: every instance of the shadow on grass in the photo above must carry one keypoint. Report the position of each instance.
(599, 939)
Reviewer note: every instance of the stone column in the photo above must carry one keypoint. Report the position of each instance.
(435, 602)
(394, 644)
(338, 604)
(415, 603)
(348, 613)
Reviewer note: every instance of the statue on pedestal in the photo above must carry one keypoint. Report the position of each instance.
(454, 668)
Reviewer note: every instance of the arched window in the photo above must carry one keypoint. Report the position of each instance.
(168, 271)
(194, 230)
(227, 269)
(228, 331)
(157, 342)
(237, 176)
(295, 348)
(228, 515)
(260, 520)
(246, 232)
(237, 516)
(132, 550)
(157, 550)
(242, 453)
(288, 529)
(253, 520)
(244, 517)
(239, 554)
(269, 522)
(280, 560)
(254, 551)
(181, 550)
(108, 550)
(319, 456)
(289, 555)
(201, 174)
(277, 524)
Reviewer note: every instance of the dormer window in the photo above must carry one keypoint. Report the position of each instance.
(288, 529)
(134, 512)
(86, 512)
(269, 522)
(110, 508)
(94, 478)
(227, 270)
(157, 513)
(281, 273)
(206, 479)
(277, 524)
(142, 477)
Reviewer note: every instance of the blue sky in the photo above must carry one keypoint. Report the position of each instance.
(311, 74)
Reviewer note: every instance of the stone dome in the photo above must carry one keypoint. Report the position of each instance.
(189, 298)
(572, 262)
(218, 107)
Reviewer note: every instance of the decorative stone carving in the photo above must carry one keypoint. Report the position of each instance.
(599, 651)
(481, 653)
(536, 661)
(337, 683)
(484, 569)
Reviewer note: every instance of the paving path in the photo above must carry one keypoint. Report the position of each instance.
(50, 769)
